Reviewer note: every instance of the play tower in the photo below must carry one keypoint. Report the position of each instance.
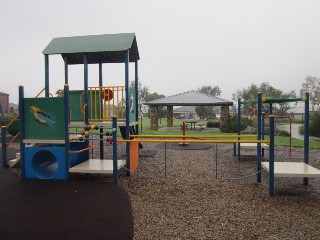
(47, 150)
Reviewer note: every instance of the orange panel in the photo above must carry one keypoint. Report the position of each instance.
(134, 155)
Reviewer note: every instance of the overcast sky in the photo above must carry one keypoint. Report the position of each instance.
(183, 45)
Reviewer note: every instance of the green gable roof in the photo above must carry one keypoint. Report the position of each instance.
(107, 48)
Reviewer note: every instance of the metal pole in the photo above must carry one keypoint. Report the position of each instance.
(165, 159)
(238, 127)
(136, 85)
(46, 74)
(259, 138)
(306, 135)
(101, 110)
(115, 150)
(22, 131)
(86, 94)
(66, 75)
(263, 130)
(4, 146)
(271, 156)
(66, 129)
(127, 110)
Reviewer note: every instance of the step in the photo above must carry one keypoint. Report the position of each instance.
(14, 163)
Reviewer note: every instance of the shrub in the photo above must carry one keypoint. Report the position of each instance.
(230, 125)
(213, 124)
(282, 133)
(314, 124)
(13, 129)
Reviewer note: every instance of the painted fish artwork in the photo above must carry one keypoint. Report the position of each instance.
(42, 117)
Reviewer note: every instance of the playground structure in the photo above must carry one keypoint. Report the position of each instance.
(49, 152)
(46, 147)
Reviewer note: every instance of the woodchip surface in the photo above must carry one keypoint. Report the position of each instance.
(209, 194)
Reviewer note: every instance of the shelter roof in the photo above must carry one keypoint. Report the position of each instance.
(191, 98)
(107, 48)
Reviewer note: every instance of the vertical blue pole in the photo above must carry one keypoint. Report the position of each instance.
(66, 74)
(136, 85)
(4, 146)
(259, 137)
(271, 157)
(101, 110)
(22, 130)
(238, 127)
(66, 129)
(306, 135)
(270, 109)
(86, 94)
(262, 130)
(115, 150)
(127, 110)
(46, 74)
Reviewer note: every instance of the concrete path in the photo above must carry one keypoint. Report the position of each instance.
(294, 131)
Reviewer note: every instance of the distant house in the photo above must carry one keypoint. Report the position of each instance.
(298, 112)
(4, 103)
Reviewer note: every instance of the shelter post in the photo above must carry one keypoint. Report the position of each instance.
(46, 75)
(169, 116)
(153, 117)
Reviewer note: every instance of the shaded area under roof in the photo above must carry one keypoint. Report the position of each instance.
(191, 98)
(107, 48)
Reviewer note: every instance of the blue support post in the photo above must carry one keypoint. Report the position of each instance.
(46, 74)
(22, 130)
(66, 129)
(115, 150)
(66, 74)
(238, 127)
(4, 146)
(136, 85)
(271, 157)
(306, 135)
(270, 109)
(86, 93)
(127, 110)
(101, 111)
(262, 130)
(259, 137)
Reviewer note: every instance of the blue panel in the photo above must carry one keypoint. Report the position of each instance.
(45, 163)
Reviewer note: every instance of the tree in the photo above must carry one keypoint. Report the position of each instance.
(268, 92)
(207, 111)
(312, 85)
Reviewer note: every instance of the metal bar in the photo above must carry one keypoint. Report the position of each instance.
(81, 150)
(196, 141)
(22, 130)
(239, 127)
(86, 95)
(165, 159)
(193, 136)
(66, 80)
(259, 138)
(115, 151)
(306, 135)
(66, 129)
(4, 146)
(127, 109)
(46, 74)
(136, 85)
(271, 157)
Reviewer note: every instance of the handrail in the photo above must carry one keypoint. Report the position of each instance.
(81, 150)
(12, 140)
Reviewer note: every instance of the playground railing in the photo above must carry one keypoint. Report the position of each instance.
(105, 102)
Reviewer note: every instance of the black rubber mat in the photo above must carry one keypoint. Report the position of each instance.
(54, 209)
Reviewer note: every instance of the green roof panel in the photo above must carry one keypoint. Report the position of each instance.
(107, 48)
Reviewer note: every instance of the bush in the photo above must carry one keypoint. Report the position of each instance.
(213, 124)
(230, 125)
(282, 133)
(314, 124)
(13, 129)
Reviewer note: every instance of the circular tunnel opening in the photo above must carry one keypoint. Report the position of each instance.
(44, 164)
